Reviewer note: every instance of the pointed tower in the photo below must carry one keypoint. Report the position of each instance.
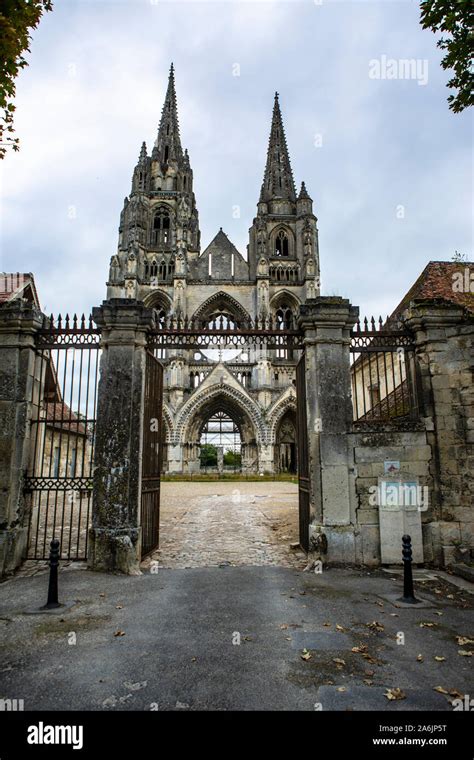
(278, 178)
(159, 225)
(167, 147)
(283, 248)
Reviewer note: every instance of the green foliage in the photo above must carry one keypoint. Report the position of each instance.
(456, 19)
(208, 455)
(17, 18)
(232, 459)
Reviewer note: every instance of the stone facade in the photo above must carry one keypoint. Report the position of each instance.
(159, 261)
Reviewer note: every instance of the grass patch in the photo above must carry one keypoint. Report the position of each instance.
(232, 476)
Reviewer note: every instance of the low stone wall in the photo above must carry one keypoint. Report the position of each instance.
(371, 450)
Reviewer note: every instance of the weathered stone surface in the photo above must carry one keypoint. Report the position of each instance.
(115, 541)
(19, 322)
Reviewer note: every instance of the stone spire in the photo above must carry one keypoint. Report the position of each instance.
(303, 193)
(168, 143)
(143, 154)
(278, 178)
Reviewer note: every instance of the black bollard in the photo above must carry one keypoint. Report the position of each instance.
(53, 602)
(408, 592)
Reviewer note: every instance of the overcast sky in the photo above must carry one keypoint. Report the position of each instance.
(386, 162)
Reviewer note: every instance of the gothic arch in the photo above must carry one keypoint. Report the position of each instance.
(168, 420)
(278, 232)
(159, 300)
(237, 404)
(285, 296)
(285, 403)
(221, 301)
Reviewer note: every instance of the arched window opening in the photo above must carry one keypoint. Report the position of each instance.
(161, 226)
(281, 244)
(284, 321)
(222, 320)
(220, 444)
(167, 151)
(160, 320)
(286, 449)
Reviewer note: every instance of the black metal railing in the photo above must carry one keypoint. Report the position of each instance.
(383, 372)
(58, 483)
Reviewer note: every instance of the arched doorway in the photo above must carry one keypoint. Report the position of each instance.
(285, 444)
(222, 419)
(220, 444)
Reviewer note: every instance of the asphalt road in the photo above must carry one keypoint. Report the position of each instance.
(170, 641)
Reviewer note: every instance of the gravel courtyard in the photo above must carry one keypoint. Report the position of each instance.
(205, 524)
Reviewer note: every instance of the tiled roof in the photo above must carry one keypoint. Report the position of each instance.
(18, 285)
(437, 281)
(60, 416)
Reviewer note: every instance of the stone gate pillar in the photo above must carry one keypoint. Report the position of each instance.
(19, 323)
(444, 334)
(326, 323)
(115, 535)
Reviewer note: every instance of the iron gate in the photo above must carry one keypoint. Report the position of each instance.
(303, 454)
(151, 454)
(58, 483)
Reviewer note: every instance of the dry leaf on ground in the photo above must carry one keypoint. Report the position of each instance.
(375, 626)
(395, 693)
(463, 640)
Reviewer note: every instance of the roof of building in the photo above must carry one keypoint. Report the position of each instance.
(221, 244)
(59, 415)
(16, 285)
(442, 279)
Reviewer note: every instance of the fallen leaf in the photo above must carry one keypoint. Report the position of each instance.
(438, 613)
(395, 694)
(450, 596)
(463, 640)
(118, 607)
(380, 604)
(341, 688)
(288, 638)
(248, 638)
(368, 682)
(420, 658)
(465, 653)
(361, 648)
(394, 614)
(375, 626)
(440, 659)
(456, 693)
(327, 625)
(441, 690)
(102, 594)
(283, 627)
(428, 624)
(340, 627)
(340, 663)
(119, 633)
(305, 655)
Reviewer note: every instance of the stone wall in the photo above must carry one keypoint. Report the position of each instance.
(369, 451)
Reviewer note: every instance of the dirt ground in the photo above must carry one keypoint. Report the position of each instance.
(236, 523)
